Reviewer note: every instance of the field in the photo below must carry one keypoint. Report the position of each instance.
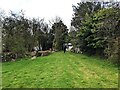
(60, 70)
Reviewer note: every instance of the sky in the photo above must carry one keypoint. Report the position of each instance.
(47, 9)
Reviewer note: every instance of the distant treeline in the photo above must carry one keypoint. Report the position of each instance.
(21, 36)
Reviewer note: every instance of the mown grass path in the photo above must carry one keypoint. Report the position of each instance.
(60, 70)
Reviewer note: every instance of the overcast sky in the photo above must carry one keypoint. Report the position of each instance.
(47, 9)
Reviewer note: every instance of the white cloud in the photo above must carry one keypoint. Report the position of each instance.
(41, 8)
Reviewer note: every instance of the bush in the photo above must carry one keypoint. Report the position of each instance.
(8, 56)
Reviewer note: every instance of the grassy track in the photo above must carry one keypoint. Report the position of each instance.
(60, 70)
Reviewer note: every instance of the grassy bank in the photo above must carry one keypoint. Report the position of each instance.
(60, 70)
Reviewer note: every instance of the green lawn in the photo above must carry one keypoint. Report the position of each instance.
(60, 70)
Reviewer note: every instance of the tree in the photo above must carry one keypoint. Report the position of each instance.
(82, 21)
(1, 19)
(72, 36)
(98, 31)
(106, 25)
(21, 35)
(60, 32)
(15, 33)
(81, 10)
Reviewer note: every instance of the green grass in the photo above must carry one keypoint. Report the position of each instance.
(60, 70)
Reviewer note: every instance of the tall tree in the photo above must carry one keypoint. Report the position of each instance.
(81, 10)
(106, 24)
(15, 33)
(82, 21)
(98, 31)
(60, 34)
